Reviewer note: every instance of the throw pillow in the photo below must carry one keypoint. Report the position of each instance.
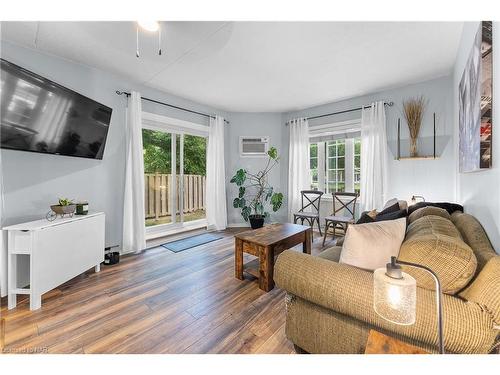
(403, 205)
(367, 217)
(370, 246)
(393, 208)
(391, 215)
(390, 203)
(426, 211)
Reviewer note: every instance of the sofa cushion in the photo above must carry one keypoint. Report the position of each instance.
(332, 253)
(370, 246)
(475, 236)
(450, 207)
(485, 289)
(434, 242)
(429, 210)
(436, 225)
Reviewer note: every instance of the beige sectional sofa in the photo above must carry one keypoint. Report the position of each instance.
(329, 305)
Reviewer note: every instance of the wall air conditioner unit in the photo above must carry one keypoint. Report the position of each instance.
(254, 146)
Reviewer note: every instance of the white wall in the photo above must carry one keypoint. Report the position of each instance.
(479, 192)
(260, 125)
(433, 179)
(33, 181)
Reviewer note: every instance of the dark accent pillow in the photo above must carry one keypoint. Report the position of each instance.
(394, 208)
(365, 218)
(391, 215)
(450, 207)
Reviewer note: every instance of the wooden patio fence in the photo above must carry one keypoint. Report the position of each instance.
(157, 194)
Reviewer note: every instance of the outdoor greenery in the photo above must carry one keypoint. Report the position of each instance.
(254, 191)
(158, 153)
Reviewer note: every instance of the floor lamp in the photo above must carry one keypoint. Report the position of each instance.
(395, 295)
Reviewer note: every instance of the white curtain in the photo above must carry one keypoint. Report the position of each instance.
(216, 176)
(373, 157)
(298, 164)
(134, 232)
(3, 248)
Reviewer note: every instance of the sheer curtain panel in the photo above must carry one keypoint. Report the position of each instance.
(134, 231)
(216, 176)
(298, 164)
(373, 157)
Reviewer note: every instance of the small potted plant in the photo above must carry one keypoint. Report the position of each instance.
(255, 193)
(65, 206)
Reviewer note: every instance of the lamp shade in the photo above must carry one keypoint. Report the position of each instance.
(394, 299)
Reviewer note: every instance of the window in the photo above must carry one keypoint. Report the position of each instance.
(313, 165)
(357, 164)
(335, 174)
(335, 165)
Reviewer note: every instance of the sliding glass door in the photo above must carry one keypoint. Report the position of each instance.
(193, 164)
(175, 178)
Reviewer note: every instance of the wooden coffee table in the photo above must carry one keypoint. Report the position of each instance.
(267, 242)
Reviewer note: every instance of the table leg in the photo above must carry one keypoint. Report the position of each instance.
(97, 267)
(266, 268)
(35, 300)
(12, 280)
(306, 245)
(238, 258)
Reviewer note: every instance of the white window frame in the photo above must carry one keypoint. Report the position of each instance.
(335, 129)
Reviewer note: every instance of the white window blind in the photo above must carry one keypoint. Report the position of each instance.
(339, 130)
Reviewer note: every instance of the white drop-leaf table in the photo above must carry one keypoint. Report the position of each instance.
(58, 251)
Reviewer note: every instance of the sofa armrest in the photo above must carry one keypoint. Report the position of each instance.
(349, 290)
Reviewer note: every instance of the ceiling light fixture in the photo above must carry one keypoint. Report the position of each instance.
(151, 26)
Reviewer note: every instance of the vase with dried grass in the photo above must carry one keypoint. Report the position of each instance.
(414, 112)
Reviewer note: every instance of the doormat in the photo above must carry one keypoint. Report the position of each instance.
(188, 243)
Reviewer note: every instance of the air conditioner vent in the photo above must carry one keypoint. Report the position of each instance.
(254, 146)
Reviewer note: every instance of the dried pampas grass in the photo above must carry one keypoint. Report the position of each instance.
(414, 112)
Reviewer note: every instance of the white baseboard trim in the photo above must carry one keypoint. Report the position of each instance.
(238, 225)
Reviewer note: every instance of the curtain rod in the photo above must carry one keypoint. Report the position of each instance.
(127, 94)
(389, 104)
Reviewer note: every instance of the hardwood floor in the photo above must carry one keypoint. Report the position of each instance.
(155, 302)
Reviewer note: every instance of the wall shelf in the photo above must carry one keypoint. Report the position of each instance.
(399, 157)
(432, 157)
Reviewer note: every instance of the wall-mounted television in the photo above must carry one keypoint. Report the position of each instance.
(40, 115)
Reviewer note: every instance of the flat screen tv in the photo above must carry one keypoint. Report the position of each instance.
(40, 115)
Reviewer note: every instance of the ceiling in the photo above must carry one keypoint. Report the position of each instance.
(255, 66)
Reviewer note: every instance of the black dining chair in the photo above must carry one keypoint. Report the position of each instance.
(310, 201)
(342, 201)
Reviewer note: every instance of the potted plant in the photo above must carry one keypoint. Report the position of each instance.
(255, 192)
(65, 206)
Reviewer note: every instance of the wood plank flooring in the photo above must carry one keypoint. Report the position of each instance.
(155, 302)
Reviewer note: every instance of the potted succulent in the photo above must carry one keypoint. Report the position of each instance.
(65, 206)
(255, 192)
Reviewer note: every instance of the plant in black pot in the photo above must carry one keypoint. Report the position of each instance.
(255, 194)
